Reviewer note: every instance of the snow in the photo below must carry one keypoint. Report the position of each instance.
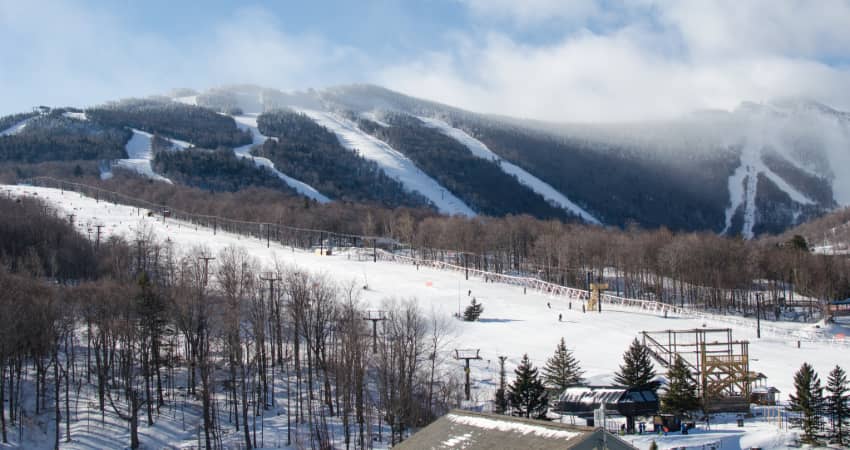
(140, 153)
(513, 323)
(188, 100)
(249, 122)
(743, 185)
(535, 184)
(75, 115)
(394, 163)
(16, 128)
(503, 425)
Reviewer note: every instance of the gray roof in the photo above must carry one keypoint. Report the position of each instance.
(473, 431)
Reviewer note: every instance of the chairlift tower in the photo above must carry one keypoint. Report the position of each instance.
(375, 316)
(466, 355)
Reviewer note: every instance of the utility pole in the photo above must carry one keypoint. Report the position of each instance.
(206, 260)
(271, 278)
(97, 239)
(466, 355)
(375, 316)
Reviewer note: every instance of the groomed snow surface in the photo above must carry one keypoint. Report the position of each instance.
(535, 184)
(394, 163)
(140, 154)
(513, 323)
(249, 122)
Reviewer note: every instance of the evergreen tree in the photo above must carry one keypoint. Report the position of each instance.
(527, 394)
(562, 370)
(653, 445)
(681, 392)
(637, 370)
(473, 311)
(501, 400)
(838, 405)
(808, 401)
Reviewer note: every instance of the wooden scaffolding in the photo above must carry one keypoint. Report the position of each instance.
(719, 364)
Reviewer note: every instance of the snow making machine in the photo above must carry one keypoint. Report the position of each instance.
(719, 364)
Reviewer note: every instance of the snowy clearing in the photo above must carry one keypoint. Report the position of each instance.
(249, 122)
(513, 322)
(394, 163)
(535, 184)
(16, 128)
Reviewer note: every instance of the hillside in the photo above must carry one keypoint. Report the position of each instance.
(514, 322)
(760, 168)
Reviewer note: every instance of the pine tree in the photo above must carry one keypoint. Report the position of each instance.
(637, 370)
(473, 311)
(527, 394)
(562, 370)
(501, 400)
(653, 445)
(838, 405)
(681, 392)
(808, 401)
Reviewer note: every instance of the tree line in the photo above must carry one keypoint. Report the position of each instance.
(201, 126)
(696, 269)
(53, 137)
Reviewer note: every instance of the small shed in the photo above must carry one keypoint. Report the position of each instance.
(481, 431)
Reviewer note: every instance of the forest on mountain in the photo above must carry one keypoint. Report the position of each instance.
(478, 182)
(54, 137)
(618, 185)
(312, 154)
(215, 170)
(200, 126)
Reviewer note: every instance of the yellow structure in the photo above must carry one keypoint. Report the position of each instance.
(595, 290)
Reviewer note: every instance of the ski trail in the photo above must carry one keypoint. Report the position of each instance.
(394, 163)
(249, 122)
(16, 128)
(140, 154)
(743, 186)
(536, 184)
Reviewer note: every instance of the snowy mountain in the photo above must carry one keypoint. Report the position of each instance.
(762, 167)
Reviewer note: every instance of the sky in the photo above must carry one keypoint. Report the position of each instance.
(558, 60)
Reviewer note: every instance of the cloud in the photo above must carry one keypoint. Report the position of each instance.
(66, 54)
(581, 60)
(667, 59)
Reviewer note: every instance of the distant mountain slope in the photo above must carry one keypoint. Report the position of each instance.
(761, 168)
(303, 148)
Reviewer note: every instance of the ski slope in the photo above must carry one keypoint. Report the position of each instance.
(513, 322)
(140, 154)
(535, 184)
(249, 122)
(394, 163)
(743, 186)
(16, 128)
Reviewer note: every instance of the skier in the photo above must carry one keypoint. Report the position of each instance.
(549, 305)
(560, 316)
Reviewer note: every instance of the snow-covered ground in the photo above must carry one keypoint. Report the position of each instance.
(249, 122)
(140, 154)
(394, 163)
(513, 322)
(16, 128)
(536, 184)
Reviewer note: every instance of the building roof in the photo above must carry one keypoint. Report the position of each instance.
(473, 431)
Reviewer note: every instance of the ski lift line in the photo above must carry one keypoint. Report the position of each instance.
(51, 182)
(610, 300)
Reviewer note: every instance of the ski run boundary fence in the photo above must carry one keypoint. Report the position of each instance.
(306, 238)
